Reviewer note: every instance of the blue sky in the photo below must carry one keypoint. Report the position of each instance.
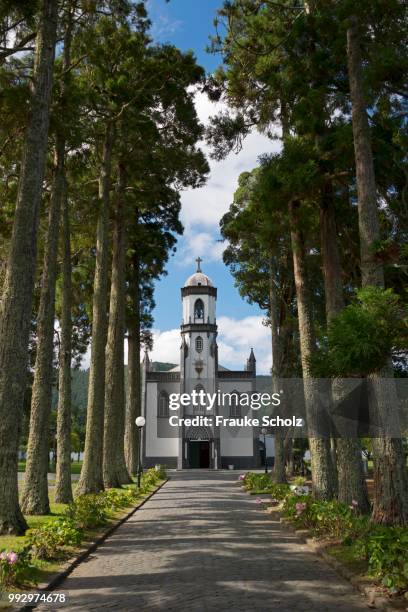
(188, 25)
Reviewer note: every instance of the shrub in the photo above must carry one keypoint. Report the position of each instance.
(263, 483)
(149, 478)
(89, 511)
(161, 471)
(299, 481)
(46, 541)
(257, 481)
(14, 567)
(325, 518)
(115, 498)
(385, 549)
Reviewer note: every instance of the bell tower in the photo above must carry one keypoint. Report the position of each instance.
(199, 331)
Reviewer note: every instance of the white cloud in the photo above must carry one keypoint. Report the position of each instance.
(203, 208)
(166, 346)
(163, 25)
(200, 243)
(238, 336)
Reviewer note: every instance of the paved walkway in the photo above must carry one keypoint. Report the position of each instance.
(201, 543)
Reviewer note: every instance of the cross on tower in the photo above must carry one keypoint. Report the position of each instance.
(199, 260)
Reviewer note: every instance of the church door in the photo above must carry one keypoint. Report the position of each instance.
(199, 454)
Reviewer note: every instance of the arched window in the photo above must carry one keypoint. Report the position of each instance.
(199, 309)
(235, 408)
(199, 344)
(163, 405)
(200, 408)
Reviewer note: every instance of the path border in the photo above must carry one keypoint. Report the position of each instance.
(72, 563)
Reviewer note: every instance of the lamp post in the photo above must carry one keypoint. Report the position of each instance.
(264, 431)
(140, 423)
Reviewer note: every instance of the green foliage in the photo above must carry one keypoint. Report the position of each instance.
(115, 498)
(385, 549)
(363, 337)
(161, 471)
(257, 481)
(47, 541)
(150, 478)
(299, 481)
(262, 483)
(89, 511)
(324, 518)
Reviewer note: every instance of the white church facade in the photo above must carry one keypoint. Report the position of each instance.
(191, 447)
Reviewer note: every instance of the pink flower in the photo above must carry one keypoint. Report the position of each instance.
(241, 477)
(12, 557)
(354, 503)
(300, 506)
(3, 556)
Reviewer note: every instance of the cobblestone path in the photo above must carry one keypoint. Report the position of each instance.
(201, 543)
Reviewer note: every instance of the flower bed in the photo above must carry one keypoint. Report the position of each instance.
(382, 548)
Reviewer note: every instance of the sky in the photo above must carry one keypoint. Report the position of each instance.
(188, 25)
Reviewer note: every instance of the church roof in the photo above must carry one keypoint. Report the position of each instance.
(177, 369)
(198, 279)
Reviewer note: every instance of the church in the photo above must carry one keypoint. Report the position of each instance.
(198, 446)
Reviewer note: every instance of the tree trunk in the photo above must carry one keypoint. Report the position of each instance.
(288, 445)
(134, 375)
(16, 303)
(323, 479)
(390, 474)
(114, 467)
(63, 488)
(35, 493)
(91, 479)
(351, 481)
(278, 473)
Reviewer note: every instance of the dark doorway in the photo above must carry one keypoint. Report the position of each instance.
(199, 454)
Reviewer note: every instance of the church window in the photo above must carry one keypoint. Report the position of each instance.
(199, 309)
(200, 408)
(163, 406)
(199, 344)
(235, 408)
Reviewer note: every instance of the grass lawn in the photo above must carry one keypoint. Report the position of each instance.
(75, 467)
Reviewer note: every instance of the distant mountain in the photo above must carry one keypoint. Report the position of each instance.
(80, 384)
(160, 366)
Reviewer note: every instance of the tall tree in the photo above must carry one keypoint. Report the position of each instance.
(390, 474)
(263, 275)
(91, 478)
(114, 467)
(35, 494)
(15, 310)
